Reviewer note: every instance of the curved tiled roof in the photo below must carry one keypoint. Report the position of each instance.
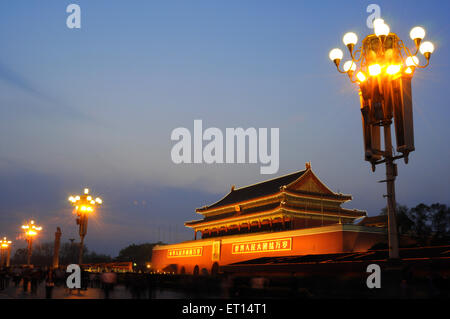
(265, 188)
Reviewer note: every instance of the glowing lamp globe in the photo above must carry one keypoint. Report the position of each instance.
(417, 33)
(426, 48)
(350, 38)
(361, 77)
(412, 61)
(382, 30)
(349, 66)
(377, 22)
(336, 54)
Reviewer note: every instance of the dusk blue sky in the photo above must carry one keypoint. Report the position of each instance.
(95, 107)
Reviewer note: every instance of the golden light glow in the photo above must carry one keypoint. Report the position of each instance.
(31, 229)
(84, 203)
(393, 69)
(361, 76)
(86, 209)
(5, 243)
(374, 69)
(408, 70)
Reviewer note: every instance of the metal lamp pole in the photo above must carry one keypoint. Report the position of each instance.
(391, 169)
(82, 222)
(84, 205)
(5, 251)
(383, 69)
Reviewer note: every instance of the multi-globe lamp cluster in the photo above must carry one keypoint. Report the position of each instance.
(382, 53)
(383, 68)
(31, 230)
(84, 205)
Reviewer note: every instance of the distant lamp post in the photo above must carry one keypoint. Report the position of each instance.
(84, 205)
(56, 248)
(31, 230)
(5, 251)
(383, 68)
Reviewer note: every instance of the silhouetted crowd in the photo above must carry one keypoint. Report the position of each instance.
(149, 286)
(29, 278)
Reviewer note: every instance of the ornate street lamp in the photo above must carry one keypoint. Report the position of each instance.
(383, 68)
(31, 230)
(84, 205)
(5, 251)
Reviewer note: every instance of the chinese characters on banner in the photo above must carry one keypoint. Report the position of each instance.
(262, 246)
(185, 252)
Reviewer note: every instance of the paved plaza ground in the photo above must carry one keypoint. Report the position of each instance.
(119, 292)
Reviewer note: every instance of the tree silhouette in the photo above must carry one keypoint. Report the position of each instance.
(429, 225)
(139, 254)
(404, 223)
(68, 254)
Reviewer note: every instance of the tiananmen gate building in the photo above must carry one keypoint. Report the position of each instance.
(295, 214)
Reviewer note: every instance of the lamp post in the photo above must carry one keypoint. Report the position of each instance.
(383, 68)
(31, 231)
(5, 249)
(84, 205)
